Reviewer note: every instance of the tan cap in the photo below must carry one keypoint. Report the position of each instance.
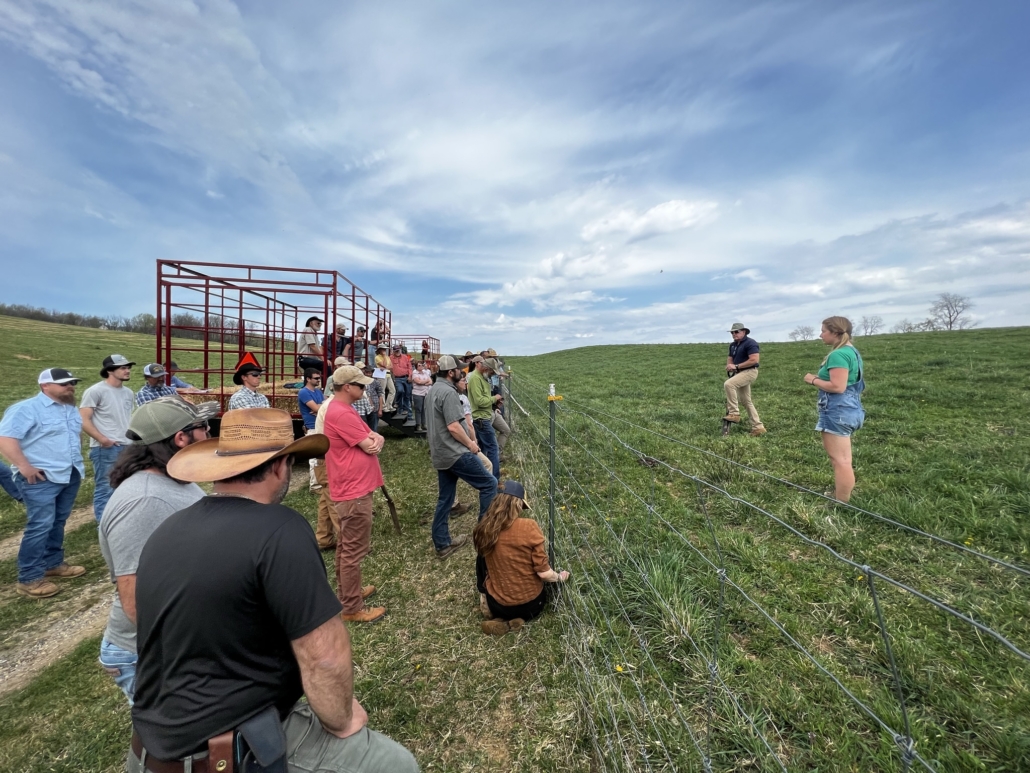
(349, 374)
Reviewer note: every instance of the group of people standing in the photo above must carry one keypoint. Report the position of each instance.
(41, 438)
(839, 404)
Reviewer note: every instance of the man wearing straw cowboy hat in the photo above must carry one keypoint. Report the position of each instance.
(236, 620)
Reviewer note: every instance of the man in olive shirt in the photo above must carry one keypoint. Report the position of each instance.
(453, 454)
(483, 402)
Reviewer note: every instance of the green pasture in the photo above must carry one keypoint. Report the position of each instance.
(944, 449)
(610, 680)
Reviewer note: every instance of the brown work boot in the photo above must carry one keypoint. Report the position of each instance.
(38, 589)
(366, 615)
(758, 431)
(367, 591)
(65, 571)
(456, 543)
(732, 417)
(515, 624)
(458, 509)
(495, 627)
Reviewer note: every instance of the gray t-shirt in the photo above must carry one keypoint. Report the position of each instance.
(112, 409)
(137, 507)
(443, 408)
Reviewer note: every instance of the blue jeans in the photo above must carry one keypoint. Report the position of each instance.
(469, 469)
(403, 386)
(47, 507)
(103, 460)
(121, 665)
(7, 482)
(487, 439)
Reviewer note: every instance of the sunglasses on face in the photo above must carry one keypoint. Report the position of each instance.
(202, 425)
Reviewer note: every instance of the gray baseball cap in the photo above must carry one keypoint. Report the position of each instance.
(161, 418)
(446, 363)
(153, 370)
(112, 362)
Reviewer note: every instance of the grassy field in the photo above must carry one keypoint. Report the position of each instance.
(945, 449)
(611, 681)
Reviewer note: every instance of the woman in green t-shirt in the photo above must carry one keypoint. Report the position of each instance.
(840, 386)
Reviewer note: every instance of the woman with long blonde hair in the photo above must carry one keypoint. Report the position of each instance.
(840, 384)
(512, 566)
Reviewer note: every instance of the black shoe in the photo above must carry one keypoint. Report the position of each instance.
(454, 547)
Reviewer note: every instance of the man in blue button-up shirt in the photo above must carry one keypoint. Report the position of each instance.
(40, 437)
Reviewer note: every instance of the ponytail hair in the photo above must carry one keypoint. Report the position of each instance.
(839, 326)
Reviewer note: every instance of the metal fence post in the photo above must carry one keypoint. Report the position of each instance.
(551, 399)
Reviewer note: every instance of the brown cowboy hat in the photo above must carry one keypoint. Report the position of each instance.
(248, 438)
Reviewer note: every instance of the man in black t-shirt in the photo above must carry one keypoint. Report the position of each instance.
(742, 369)
(235, 614)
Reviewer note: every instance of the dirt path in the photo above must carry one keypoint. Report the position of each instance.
(78, 613)
(9, 545)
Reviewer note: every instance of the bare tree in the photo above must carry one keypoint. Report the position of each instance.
(905, 326)
(802, 333)
(949, 312)
(871, 325)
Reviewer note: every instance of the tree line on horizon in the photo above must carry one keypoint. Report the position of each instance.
(191, 326)
(948, 312)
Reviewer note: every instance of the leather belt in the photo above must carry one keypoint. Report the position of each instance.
(155, 765)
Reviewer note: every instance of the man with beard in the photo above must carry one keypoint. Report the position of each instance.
(144, 496)
(105, 409)
(40, 437)
(454, 455)
(236, 620)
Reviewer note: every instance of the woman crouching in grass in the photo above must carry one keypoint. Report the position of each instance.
(840, 385)
(511, 566)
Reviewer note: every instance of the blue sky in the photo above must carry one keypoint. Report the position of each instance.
(530, 176)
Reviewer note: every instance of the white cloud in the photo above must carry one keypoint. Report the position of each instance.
(671, 216)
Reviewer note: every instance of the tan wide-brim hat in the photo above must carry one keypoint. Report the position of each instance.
(248, 438)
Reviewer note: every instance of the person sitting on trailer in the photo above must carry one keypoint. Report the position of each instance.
(177, 382)
(342, 339)
(511, 563)
(309, 351)
(248, 377)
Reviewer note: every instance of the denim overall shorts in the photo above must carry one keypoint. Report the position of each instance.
(842, 414)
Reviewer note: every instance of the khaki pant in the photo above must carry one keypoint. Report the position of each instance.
(310, 747)
(327, 527)
(355, 520)
(502, 430)
(390, 393)
(738, 390)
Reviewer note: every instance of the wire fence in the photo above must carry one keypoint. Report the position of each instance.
(710, 632)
